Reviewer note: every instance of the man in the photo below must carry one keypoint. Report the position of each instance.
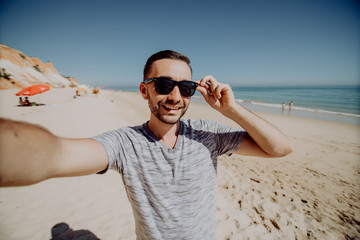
(21, 102)
(27, 102)
(168, 165)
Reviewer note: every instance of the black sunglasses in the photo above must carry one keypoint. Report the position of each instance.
(165, 85)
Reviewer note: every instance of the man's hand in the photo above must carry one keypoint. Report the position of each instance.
(218, 95)
(263, 139)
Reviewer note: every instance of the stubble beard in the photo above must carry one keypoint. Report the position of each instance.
(155, 110)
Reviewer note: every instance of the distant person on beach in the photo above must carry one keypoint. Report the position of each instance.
(21, 102)
(168, 164)
(95, 91)
(27, 102)
(283, 107)
(291, 105)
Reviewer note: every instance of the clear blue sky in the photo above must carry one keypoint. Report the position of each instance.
(244, 42)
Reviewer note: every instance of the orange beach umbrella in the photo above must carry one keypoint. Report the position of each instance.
(32, 90)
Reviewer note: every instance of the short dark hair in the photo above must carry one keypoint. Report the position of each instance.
(165, 54)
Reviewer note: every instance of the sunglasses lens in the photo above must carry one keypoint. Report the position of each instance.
(187, 88)
(164, 85)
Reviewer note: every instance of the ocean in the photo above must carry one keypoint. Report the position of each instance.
(331, 103)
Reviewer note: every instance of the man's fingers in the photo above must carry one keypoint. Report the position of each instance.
(201, 89)
(212, 86)
(204, 91)
(207, 79)
(210, 83)
(218, 90)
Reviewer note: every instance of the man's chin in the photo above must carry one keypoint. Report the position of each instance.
(170, 120)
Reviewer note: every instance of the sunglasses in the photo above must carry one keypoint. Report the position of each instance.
(165, 85)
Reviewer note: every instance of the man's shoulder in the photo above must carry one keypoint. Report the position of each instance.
(202, 124)
(126, 130)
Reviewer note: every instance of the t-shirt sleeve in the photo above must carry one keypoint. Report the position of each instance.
(113, 142)
(227, 139)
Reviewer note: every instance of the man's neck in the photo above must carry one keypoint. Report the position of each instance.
(167, 133)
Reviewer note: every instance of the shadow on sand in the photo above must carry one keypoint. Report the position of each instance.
(62, 231)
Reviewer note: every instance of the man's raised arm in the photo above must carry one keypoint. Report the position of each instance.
(263, 140)
(30, 154)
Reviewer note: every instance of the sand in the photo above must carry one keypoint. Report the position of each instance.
(313, 193)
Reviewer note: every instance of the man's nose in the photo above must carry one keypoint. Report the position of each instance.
(175, 94)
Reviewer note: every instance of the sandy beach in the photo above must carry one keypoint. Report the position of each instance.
(314, 193)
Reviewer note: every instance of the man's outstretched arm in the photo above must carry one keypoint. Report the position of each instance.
(30, 154)
(263, 140)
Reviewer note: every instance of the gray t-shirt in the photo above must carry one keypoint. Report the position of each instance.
(172, 191)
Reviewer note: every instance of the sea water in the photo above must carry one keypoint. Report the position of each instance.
(332, 103)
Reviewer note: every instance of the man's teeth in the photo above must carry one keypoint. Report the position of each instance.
(172, 108)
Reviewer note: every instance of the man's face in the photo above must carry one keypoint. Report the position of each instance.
(168, 108)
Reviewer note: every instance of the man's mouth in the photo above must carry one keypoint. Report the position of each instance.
(169, 108)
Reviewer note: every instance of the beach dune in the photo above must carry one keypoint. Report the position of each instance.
(311, 194)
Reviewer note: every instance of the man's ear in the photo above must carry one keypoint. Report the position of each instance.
(143, 91)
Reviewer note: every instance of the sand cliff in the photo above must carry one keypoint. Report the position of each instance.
(19, 70)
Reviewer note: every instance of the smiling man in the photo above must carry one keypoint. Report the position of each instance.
(168, 164)
(161, 73)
